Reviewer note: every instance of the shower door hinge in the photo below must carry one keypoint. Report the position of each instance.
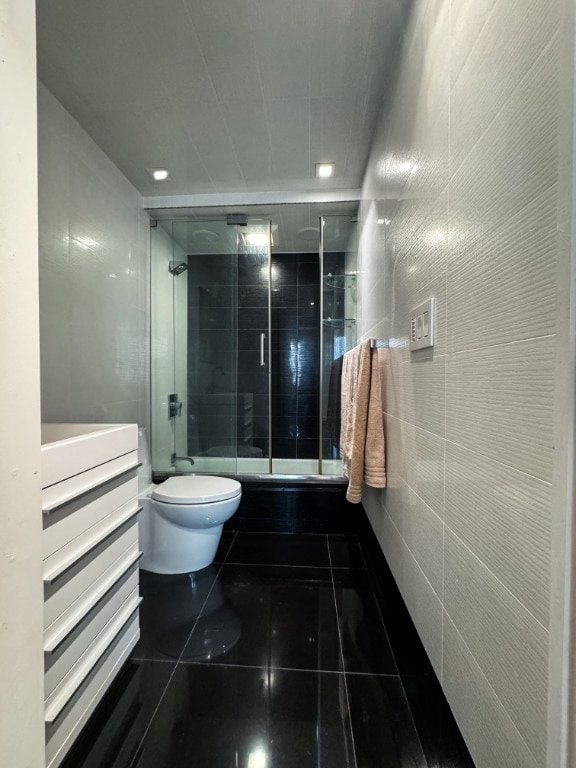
(153, 223)
(174, 406)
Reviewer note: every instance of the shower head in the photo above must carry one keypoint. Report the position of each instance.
(177, 267)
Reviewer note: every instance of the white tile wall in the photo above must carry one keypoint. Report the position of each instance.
(486, 726)
(467, 170)
(93, 239)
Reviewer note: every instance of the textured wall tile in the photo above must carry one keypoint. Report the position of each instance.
(423, 460)
(504, 517)
(499, 403)
(509, 645)
(421, 530)
(504, 288)
(514, 35)
(467, 18)
(491, 736)
(421, 274)
(421, 599)
(420, 388)
(513, 162)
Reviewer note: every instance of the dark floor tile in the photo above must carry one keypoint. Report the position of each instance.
(345, 552)
(384, 734)
(439, 735)
(112, 735)
(365, 644)
(409, 653)
(278, 616)
(170, 607)
(278, 549)
(223, 717)
(224, 546)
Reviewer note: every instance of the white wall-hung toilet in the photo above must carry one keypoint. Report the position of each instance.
(182, 519)
(182, 524)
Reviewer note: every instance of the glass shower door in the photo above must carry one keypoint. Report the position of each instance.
(339, 295)
(221, 346)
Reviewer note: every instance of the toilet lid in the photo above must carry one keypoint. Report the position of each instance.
(196, 489)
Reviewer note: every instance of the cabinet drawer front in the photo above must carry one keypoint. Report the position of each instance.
(70, 652)
(79, 581)
(61, 733)
(55, 566)
(55, 496)
(67, 525)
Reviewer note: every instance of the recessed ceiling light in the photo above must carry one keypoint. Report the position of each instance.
(324, 170)
(158, 174)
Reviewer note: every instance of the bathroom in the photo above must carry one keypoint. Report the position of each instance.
(464, 194)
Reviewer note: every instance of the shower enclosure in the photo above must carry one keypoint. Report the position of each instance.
(249, 323)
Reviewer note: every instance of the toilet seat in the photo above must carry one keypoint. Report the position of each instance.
(196, 489)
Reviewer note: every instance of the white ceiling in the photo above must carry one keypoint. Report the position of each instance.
(229, 95)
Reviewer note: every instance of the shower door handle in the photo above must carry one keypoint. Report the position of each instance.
(262, 350)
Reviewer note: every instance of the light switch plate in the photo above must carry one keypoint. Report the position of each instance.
(422, 326)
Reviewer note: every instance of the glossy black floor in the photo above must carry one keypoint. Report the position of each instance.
(276, 656)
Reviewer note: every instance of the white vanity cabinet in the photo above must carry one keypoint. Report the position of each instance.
(90, 570)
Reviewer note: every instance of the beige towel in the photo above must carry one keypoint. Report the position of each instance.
(362, 436)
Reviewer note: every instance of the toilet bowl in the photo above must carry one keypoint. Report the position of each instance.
(182, 520)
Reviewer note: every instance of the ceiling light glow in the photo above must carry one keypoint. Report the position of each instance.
(257, 238)
(324, 170)
(158, 174)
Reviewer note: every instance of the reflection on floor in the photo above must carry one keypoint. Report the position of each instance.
(276, 656)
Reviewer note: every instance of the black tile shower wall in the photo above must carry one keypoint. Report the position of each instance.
(212, 370)
(227, 313)
(295, 323)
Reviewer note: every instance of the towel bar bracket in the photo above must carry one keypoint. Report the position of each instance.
(379, 343)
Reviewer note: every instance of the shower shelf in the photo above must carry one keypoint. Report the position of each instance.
(333, 322)
(339, 281)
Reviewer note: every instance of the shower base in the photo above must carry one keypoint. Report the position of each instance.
(259, 468)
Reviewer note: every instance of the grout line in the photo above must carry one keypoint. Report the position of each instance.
(282, 565)
(271, 668)
(292, 565)
(349, 709)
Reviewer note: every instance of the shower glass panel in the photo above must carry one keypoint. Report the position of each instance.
(219, 380)
(249, 325)
(339, 250)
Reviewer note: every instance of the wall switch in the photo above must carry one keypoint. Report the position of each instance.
(422, 326)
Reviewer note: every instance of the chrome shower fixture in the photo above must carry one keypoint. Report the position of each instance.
(177, 267)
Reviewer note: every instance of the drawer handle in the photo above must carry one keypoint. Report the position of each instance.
(98, 649)
(58, 635)
(59, 570)
(51, 508)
